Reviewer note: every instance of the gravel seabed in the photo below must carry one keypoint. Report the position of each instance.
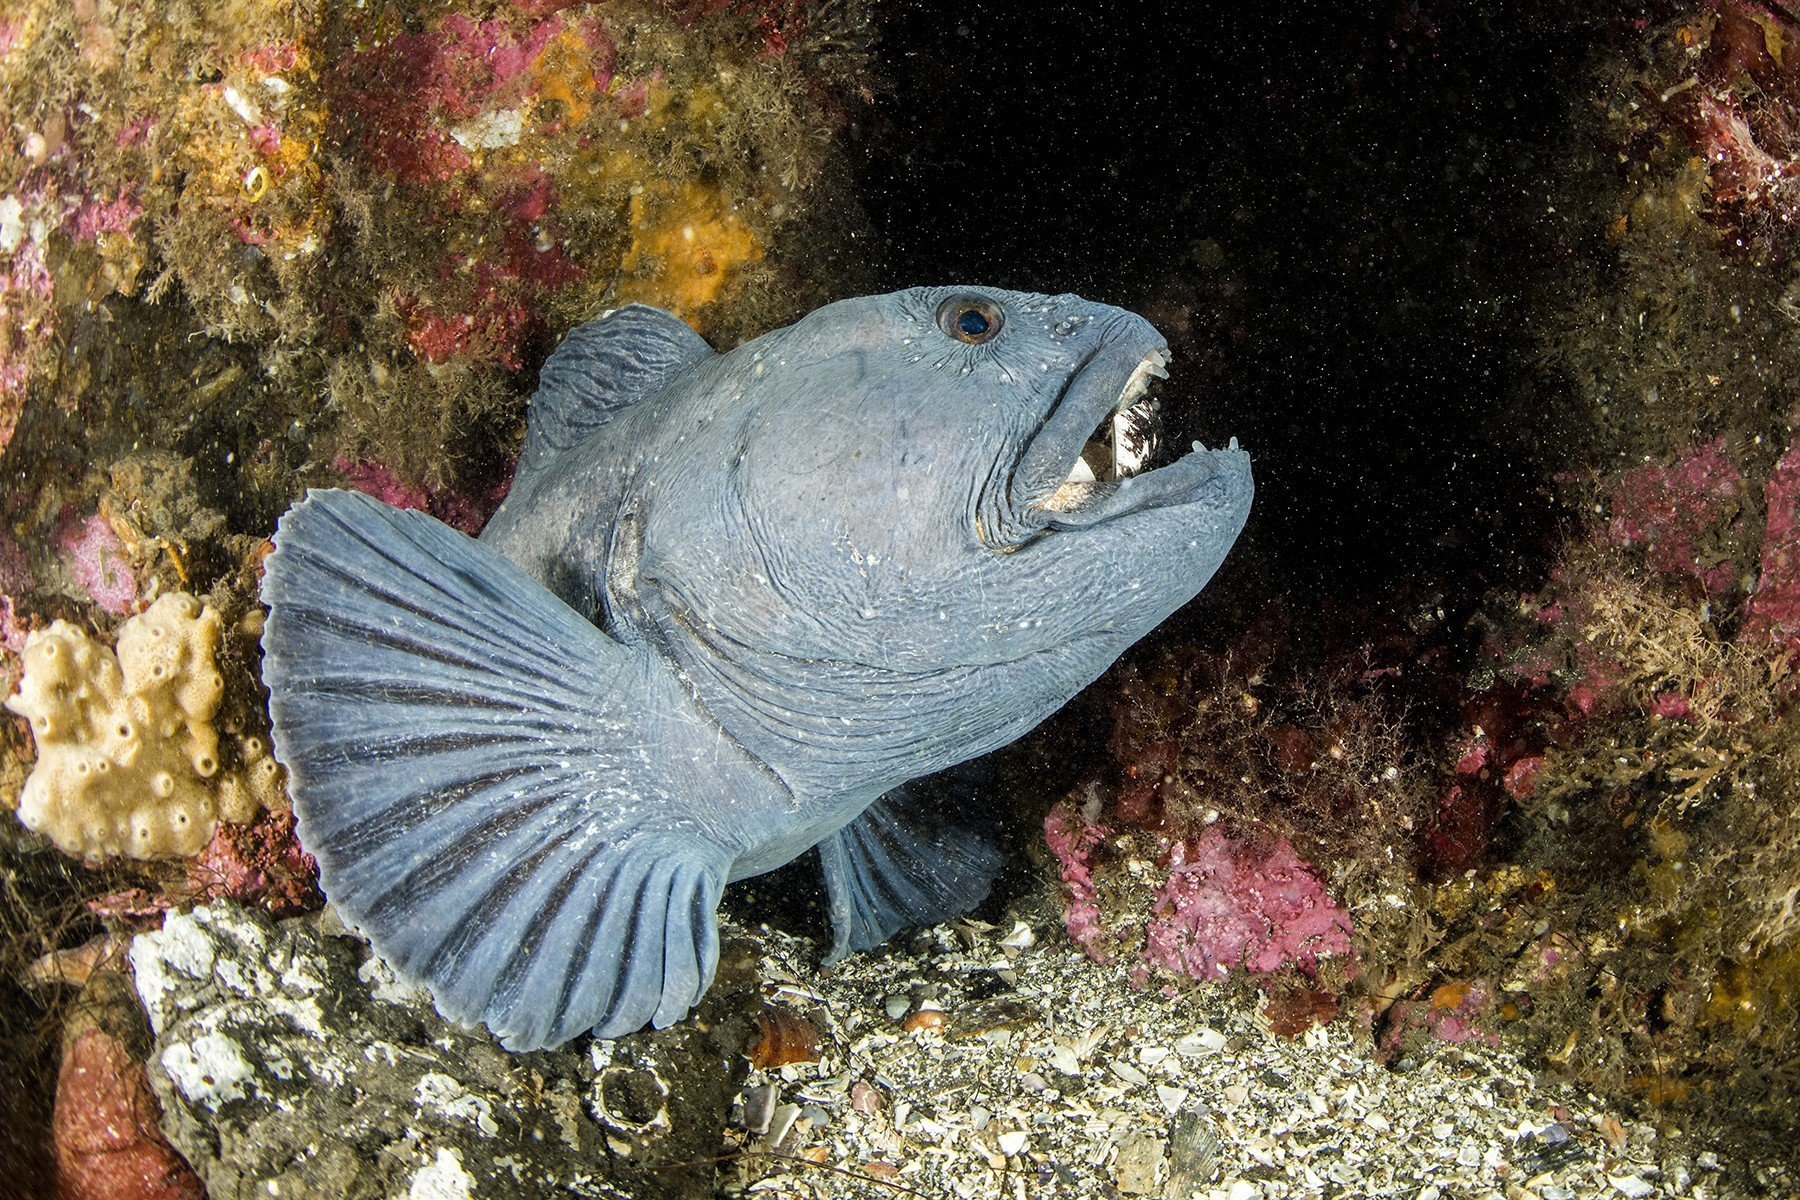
(973, 1061)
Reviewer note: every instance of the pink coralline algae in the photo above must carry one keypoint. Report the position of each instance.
(108, 1137)
(1239, 903)
(1774, 610)
(407, 96)
(497, 301)
(1454, 1013)
(455, 509)
(1740, 110)
(271, 58)
(1072, 840)
(260, 863)
(87, 221)
(134, 908)
(1670, 706)
(777, 24)
(1678, 512)
(1521, 776)
(97, 562)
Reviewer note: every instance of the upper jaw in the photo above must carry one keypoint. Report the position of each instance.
(1122, 444)
(1093, 459)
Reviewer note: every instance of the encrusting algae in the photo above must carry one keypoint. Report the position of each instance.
(128, 755)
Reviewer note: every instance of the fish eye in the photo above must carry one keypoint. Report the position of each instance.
(969, 319)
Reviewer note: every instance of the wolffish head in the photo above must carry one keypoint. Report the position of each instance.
(936, 481)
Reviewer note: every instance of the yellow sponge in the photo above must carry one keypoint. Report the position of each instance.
(127, 750)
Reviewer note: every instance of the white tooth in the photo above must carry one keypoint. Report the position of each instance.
(1197, 445)
(1137, 384)
(1233, 444)
(1080, 472)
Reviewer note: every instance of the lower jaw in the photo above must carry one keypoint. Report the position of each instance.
(1181, 482)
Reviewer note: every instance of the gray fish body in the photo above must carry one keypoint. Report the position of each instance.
(848, 554)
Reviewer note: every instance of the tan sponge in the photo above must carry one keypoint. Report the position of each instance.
(127, 750)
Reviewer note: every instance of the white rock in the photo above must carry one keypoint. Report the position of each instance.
(441, 1093)
(12, 224)
(159, 959)
(491, 131)
(442, 1179)
(211, 1070)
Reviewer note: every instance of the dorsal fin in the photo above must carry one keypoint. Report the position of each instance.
(608, 364)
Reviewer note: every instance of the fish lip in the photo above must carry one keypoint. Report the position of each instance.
(1095, 389)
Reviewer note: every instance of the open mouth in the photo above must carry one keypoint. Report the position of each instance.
(1099, 452)
(1120, 465)
(1123, 443)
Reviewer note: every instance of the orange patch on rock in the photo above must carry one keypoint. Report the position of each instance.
(109, 1143)
(686, 249)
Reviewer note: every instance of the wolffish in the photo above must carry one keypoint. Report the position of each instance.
(734, 604)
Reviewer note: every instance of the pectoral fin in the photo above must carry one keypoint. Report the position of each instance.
(486, 779)
(907, 860)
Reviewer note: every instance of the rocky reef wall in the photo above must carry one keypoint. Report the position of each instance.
(252, 247)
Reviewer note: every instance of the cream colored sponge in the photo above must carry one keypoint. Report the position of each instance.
(126, 746)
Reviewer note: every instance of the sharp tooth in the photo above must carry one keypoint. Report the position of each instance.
(1139, 382)
(1080, 472)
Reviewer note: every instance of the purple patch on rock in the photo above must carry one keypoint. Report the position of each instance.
(96, 561)
(1229, 903)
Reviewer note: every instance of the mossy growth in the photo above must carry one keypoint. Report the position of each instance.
(1670, 327)
(1252, 742)
(280, 240)
(1660, 817)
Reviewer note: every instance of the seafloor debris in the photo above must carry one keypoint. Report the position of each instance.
(1056, 1076)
